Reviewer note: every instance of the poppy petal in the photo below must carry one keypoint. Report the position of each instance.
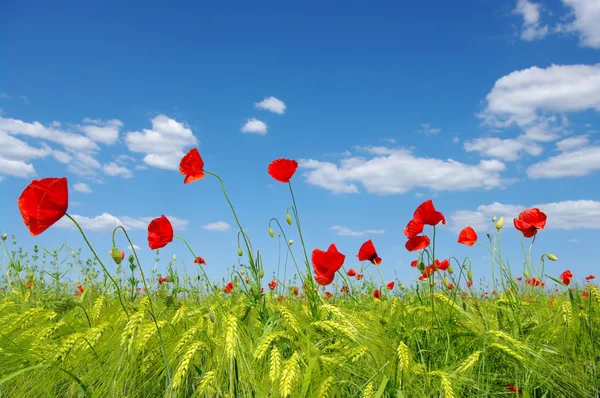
(417, 243)
(413, 228)
(427, 214)
(43, 202)
(191, 166)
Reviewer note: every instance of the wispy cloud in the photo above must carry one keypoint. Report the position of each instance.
(217, 226)
(345, 231)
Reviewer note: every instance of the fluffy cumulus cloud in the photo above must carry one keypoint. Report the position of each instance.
(82, 187)
(576, 163)
(113, 169)
(106, 222)
(272, 104)
(390, 171)
(505, 149)
(106, 132)
(345, 231)
(570, 214)
(217, 226)
(15, 156)
(255, 126)
(571, 143)
(163, 144)
(532, 27)
(585, 15)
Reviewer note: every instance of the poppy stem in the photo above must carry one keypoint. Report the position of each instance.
(101, 263)
(151, 311)
(193, 254)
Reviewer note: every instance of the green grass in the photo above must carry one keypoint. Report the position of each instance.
(412, 343)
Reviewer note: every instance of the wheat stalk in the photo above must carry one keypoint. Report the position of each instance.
(369, 391)
(290, 373)
(97, 308)
(290, 319)
(446, 384)
(184, 365)
(325, 388)
(207, 382)
(265, 344)
(274, 364)
(567, 313)
(231, 336)
(403, 357)
(468, 363)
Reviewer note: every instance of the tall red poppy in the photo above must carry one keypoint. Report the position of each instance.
(199, 260)
(326, 264)
(566, 277)
(160, 233)
(530, 221)
(467, 236)
(282, 169)
(43, 202)
(192, 166)
(427, 214)
(417, 243)
(413, 228)
(390, 285)
(367, 252)
(351, 272)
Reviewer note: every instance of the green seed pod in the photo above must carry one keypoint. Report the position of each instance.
(450, 269)
(115, 253)
(446, 282)
(271, 233)
(261, 273)
(240, 252)
(470, 275)
(288, 219)
(527, 274)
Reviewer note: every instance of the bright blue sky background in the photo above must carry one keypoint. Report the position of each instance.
(486, 107)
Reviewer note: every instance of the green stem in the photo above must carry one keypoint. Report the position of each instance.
(101, 263)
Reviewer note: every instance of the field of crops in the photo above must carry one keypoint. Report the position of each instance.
(337, 333)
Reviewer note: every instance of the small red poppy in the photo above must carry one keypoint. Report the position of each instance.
(427, 214)
(344, 289)
(467, 236)
(512, 388)
(367, 252)
(450, 286)
(390, 285)
(443, 266)
(43, 202)
(294, 290)
(79, 290)
(519, 278)
(160, 233)
(199, 260)
(413, 228)
(326, 264)
(328, 295)
(282, 169)
(376, 294)
(428, 271)
(566, 277)
(351, 272)
(122, 255)
(417, 243)
(589, 277)
(192, 166)
(228, 288)
(530, 221)
(272, 284)
(359, 276)
(469, 283)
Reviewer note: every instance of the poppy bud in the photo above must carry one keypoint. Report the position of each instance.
(211, 316)
(291, 242)
(470, 275)
(499, 222)
(174, 257)
(242, 271)
(421, 266)
(288, 219)
(115, 253)
(446, 282)
(450, 269)
(552, 257)
(3, 236)
(72, 253)
(261, 273)
(240, 252)
(271, 233)
(527, 274)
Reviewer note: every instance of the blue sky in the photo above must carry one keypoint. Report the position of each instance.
(485, 107)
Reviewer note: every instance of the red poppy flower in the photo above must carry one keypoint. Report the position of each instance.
(530, 221)
(414, 264)
(294, 290)
(566, 277)
(191, 166)
(376, 294)
(589, 277)
(43, 202)
(450, 286)
(367, 252)
(519, 278)
(29, 284)
(359, 276)
(467, 236)
(390, 285)
(228, 288)
(585, 294)
(160, 233)
(79, 290)
(161, 281)
(272, 284)
(326, 264)
(533, 281)
(428, 271)
(417, 243)
(122, 255)
(283, 169)
(426, 214)
(442, 265)
(413, 228)
(344, 289)
(469, 283)
(328, 295)
(199, 260)
(351, 272)
(512, 388)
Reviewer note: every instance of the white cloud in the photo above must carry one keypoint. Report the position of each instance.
(255, 126)
(71, 141)
(525, 97)
(16, 168)
(345, 231)
(217, 226)
(569, 164)
(571, 214)
(81, 187)
(163, 144)
(571, 143)
(505, 149)
(136, 247)
(427, 129)
(5, 96)
(586, 15)
(106, 222)
(532, 28)
(397, 171)
(113, 169)
(375, 231)
(272, 104)
(106, 132)
(84, 164)
(61, 156)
